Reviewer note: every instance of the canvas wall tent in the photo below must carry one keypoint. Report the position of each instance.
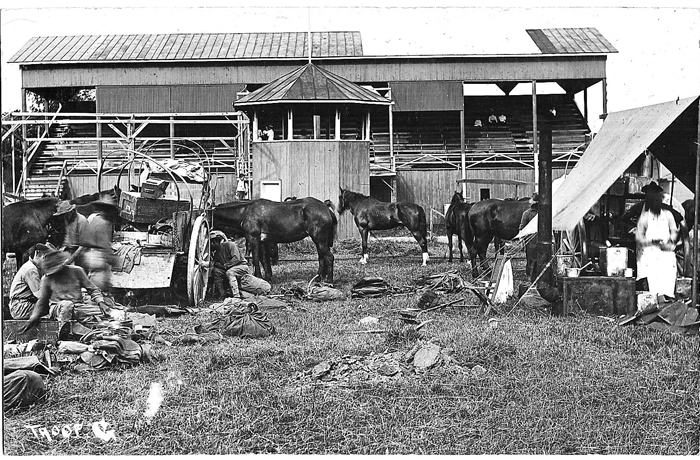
(669, 131)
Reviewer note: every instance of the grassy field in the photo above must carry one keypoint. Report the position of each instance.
(553, 385)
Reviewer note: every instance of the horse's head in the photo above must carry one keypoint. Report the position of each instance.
(342, 202)
(457, 197)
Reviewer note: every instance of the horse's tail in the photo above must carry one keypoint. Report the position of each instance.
(334, 228)
(450, 219)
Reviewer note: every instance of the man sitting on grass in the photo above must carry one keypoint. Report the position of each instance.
(61, 295)
(230, 264)
(27, 282)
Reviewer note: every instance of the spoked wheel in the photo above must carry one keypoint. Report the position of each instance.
(573, 243)
(198, 261)
(683, 261)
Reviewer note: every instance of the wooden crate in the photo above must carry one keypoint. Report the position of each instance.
(600, 295)
(142, 210)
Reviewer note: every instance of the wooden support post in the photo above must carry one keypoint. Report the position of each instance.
(317, 126)
(462, 151)
(535, 146)
(24, 143)
(368, 135)
(544, 211)
(14, 164)
(585, 104)
(98, 130)
(605, 96)
(697, 213)
(337, 124)
(391, 135)
(172, 135)
(290, 124)
(255, 126)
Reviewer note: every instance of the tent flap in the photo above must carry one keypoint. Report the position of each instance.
(622, 138)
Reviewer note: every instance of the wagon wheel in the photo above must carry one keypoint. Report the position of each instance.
(573, 243)
(198, 261)
(683, 260)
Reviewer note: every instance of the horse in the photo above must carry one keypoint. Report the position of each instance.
(110, 195)
(372, 214)
(274, 222)
(457, 222)
(494, 219)
(26, 223)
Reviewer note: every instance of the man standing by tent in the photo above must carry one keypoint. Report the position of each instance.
(657, 234)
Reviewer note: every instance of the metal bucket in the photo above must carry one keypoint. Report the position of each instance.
(564, 262)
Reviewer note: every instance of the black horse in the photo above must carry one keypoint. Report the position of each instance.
(270, 221)
(26, 223)
(372, 214)
(457, 222)
(494, 219)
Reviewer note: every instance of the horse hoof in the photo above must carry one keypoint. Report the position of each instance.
(363, 261)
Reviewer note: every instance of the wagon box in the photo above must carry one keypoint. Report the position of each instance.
(143, 210)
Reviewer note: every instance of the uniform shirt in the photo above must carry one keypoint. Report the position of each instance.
(242, 186)
(98, 233)
(66, 285)
(228, 255)
(75, 231)
(527, 216)
(26, 283)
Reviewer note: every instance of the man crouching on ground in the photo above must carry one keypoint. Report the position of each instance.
(60, 295)
(230, 264)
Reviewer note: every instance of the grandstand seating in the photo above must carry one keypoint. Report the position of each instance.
(434, 136)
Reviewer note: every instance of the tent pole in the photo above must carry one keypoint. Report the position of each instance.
(463, 155)
(695, 226)
(544, 211)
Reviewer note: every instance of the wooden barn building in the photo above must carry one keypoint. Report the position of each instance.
(398, 127)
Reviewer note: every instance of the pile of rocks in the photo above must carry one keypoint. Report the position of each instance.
(387, 366)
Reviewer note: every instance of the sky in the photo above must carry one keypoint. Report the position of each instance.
(658, 59)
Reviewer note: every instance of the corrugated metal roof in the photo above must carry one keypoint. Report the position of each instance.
(311, 83)
(576, 40)
(176, 47)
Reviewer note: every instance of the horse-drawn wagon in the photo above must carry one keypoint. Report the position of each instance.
(164, 240)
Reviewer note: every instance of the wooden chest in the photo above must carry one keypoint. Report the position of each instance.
(600, 295)
(142, 210)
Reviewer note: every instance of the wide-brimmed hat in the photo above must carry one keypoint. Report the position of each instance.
(535, 198)
(54, 261)
(217, 234)
(652, 187)
(63, 208)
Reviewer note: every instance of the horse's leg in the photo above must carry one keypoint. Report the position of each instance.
(266, 255)
(459, 242)
(325, 261)
(449, 243)
(254, 247)
(422, 239)
(364, 232)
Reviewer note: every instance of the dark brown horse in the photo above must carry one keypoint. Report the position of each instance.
(493, 219)
(270, 221)
(457, 222)
(372, 214)
(26, 223)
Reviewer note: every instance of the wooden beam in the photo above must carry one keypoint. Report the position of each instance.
(172, 135)
(290, 124)
(694, 295)
(463, 153)
(336, 134)
(535, 147)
